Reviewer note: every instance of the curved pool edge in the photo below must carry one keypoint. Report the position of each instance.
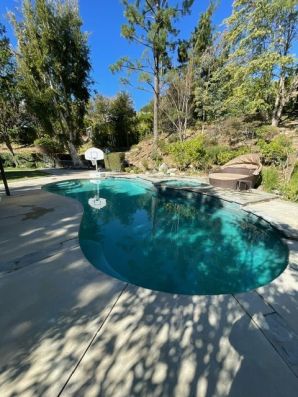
(283, 236)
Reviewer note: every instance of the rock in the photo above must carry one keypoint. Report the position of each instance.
(163, 168)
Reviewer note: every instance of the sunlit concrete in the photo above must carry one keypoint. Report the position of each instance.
(52, 301)
(68, 329)
(157, 344)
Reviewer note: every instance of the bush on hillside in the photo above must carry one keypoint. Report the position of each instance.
(290, 189)
(190, 152)
(277, 151)
(236, 129)
(267, 132)
(114, 161)
(48, 145)
(227, 154)
(270, 179)
(25, 160)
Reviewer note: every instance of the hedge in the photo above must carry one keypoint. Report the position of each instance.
(114, 161)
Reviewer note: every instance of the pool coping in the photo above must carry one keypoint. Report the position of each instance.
(265, 314)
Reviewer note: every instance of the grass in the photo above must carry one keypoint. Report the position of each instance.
(16, 174)
(294, 177)
(291, 188)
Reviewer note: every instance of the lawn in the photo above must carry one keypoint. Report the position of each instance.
(15, 174)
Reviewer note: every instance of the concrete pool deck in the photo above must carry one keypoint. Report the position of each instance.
(67, 329)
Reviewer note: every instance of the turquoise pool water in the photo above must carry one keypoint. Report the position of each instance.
(173, 241)
(184, 183)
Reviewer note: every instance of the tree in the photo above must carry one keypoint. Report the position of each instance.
(113, 121)
(177, 102)
(145, 120)
(199, 54)
(123, 120)
(53, 62)
(201, 38)
(261, 35)
(150, 23)
(10, 101)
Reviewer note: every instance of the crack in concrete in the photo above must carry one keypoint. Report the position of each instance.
(92, 340)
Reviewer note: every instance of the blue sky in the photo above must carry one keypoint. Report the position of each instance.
(103, 19)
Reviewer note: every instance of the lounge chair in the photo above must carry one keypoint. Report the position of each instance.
(240, 173)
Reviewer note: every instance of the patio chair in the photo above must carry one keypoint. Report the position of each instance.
(241, 173)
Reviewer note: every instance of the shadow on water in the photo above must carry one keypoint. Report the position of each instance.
(192, 243)
(153, 344)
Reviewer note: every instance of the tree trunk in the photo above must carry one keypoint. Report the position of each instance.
(10, 148)
(279, 103)
(3, 177)
(156, 106)
(74, 155)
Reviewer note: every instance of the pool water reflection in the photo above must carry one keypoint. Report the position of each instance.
(174, 241)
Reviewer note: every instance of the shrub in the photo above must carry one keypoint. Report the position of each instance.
(227, 154)
(145, 164)
(270, 179)
(236, 129)
(48, 145)
(267, 132)
(190, 152)
(290, 189)
(212, 152)
(25, 160)
(276, 152)
(7, 160)
(114, 161)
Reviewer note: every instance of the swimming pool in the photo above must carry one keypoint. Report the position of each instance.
(172, 240)
(183, 183)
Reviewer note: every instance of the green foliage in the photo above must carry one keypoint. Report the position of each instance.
(114, 161)
(113, 121)
(213, 152)
(31, 160)
(266, 132)
(23, 173)
(236, 129)
(12, 116)
(145, 164)
(270, 179)
(145, 121)
(260, 36)
(201, 38)
(226, 155)
(53, 62)
(151, 24)
(277, 151)
(290, 189)
(190, 152)
(48, 145)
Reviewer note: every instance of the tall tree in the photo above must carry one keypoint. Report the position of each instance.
(203, 53)
(177, 101)
(10, 100)
(123, 119)
(150, 23)
(113, 121)
(53, 62)
(201, 38)
(199, 52)
(261, 36)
